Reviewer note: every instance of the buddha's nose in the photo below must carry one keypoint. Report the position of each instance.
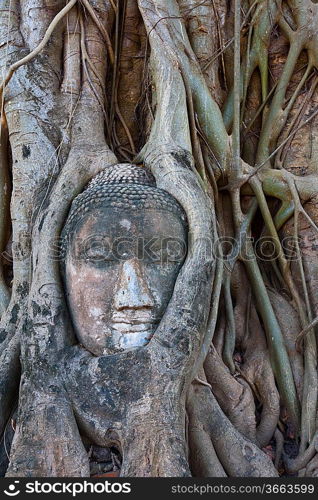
(132, 291)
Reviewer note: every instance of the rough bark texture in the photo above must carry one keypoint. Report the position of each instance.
(218, 100)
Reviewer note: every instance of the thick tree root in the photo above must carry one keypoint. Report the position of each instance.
(238, 456)
(233, 395)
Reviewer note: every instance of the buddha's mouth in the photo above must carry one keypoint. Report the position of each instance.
(134, 321)
(132, 339)
(133, 329)
(134, 326)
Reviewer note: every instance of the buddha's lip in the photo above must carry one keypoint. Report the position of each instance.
(133, 326)
(135, 319)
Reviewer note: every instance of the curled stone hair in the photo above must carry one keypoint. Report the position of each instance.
(121, 186)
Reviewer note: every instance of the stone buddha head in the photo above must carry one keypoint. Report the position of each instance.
(124, 243)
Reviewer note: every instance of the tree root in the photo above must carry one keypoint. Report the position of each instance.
(304, 459)
(290, 325)
(257, 370)
(255, 367)
(233, 395)
(312, 467)
(238, 456)
(9, 377)
(39, 48)
(5, 189)
(204, 461)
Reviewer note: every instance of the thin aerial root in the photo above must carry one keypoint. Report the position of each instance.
(86, 60)
(102, 29)
(229, 341)
(72, 62)
(306, 330)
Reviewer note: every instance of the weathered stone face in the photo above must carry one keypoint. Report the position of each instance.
(120, 270)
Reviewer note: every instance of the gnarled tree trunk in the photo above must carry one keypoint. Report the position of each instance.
(218, 100)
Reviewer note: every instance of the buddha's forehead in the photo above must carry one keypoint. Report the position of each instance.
(114, 222)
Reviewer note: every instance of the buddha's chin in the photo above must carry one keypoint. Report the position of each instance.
(131, 339)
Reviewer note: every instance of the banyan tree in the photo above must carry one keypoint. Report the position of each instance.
(158, 233)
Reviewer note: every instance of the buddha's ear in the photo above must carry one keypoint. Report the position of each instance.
(183, 329)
